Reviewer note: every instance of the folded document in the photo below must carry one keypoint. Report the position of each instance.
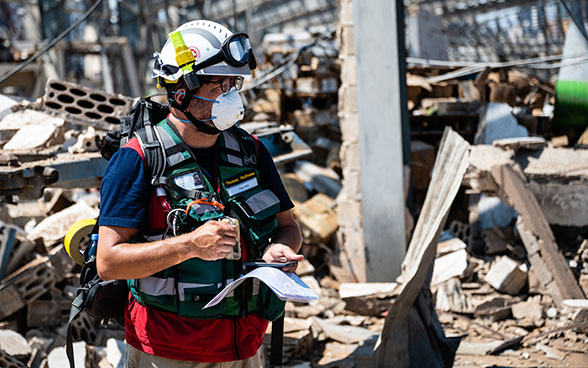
(287, 286)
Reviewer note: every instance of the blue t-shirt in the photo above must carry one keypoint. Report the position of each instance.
(125, 191)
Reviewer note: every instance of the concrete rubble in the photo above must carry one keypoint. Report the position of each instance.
(498, 262)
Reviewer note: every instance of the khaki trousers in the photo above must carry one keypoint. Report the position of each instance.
(138, 359)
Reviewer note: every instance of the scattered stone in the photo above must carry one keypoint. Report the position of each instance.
(14, 344)
(507, 275)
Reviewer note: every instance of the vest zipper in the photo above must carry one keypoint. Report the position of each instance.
(235, 342)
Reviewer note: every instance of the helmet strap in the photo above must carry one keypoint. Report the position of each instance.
(199, 124)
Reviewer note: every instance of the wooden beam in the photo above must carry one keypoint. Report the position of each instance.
(542, 249)
(450, 166)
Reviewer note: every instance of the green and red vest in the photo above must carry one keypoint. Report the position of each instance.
(186, 288)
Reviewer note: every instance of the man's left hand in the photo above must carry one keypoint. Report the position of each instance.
(280, 253)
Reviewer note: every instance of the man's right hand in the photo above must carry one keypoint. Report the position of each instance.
(212, 241)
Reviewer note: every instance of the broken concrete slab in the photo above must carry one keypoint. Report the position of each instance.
(477, 348)
(551, 353)
(450, 246)
(344, 334)
(14, 344)
(543, 252)
(27, 117)
(35, 137)
(495, 309)
(53, 228)
(507, 275)
(352, 290)
(527, 143)
(449, 266)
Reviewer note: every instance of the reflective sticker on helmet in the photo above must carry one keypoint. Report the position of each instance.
(195, 52)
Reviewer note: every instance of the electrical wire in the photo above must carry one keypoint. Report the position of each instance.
(579, 26)
(290, 60)
(51, 44)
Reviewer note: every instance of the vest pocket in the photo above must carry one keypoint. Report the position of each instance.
(257, 213)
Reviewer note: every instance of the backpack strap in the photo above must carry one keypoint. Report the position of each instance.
(153, 151)
(77, 306)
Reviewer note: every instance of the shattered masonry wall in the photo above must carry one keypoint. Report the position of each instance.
(350, 233)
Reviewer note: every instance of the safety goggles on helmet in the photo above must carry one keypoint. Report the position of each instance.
(235, 51)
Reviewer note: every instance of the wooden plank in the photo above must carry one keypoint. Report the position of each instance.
(536, 234)
(450, 166)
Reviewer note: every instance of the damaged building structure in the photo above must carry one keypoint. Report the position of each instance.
(436, 152)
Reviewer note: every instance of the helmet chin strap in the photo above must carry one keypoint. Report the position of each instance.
(199, 124)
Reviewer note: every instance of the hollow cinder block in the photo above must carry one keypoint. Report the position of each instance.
(84, 105)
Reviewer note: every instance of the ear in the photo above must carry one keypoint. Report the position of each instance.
(179, 97)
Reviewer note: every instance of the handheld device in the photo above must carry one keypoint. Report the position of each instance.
(235, 254)
(266, 264)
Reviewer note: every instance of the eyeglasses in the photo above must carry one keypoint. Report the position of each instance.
(227, 83)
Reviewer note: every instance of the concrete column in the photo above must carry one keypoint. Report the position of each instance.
(381, 109)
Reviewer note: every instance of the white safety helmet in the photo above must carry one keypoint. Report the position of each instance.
(216, 50)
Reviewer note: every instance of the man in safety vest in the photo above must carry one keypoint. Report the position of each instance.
(174, 238)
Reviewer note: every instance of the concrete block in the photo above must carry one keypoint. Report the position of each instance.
(347, 41)
(349, 124)
(530, 309)
(507, 276)
(85, 105)
(349, 71)
(345, 13)
(350, 155)
(14, 344)
(348, 98)
(349, 212)
(352, 184)
(47, 312)
(10, 362)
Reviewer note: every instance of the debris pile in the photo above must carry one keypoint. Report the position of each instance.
(509, 273)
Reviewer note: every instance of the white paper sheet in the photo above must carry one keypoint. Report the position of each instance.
(287, 286)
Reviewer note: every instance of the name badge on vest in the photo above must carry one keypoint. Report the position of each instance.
(241, 183)
(189, 181)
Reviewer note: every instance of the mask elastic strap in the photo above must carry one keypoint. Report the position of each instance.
(202, 98)
(199, 124)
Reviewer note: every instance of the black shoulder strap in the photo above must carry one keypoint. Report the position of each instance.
(76, 309)
(153, 152)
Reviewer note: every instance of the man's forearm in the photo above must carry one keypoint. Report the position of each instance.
(290, 236)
